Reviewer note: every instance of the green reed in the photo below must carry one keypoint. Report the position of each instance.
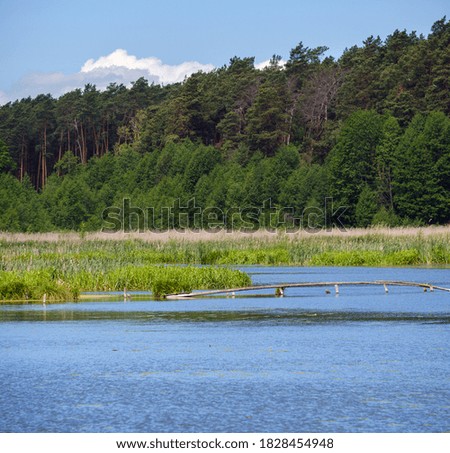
(63, 268)
(59, 285)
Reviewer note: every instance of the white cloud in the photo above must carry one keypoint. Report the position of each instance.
(266, 63)
(118, 67)
(153, 66)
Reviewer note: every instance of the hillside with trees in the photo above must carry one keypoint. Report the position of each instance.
(371, 130)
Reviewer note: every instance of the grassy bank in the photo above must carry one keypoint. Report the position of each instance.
(100, 253)
(57, 285)
(62, 265)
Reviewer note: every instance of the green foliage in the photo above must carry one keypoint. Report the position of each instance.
(202, 161)
(419, 192)
(385, 217)
(67, 164)
(21, 208)
(384, 160)
(350, 163)
(6, 161)
(305, 187)
(69, 202)
(370, 129)
(267, 120)
(366, 207)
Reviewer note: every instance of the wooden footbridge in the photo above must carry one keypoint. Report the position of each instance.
(281, 288)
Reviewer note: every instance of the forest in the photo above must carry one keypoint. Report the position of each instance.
(360, 140)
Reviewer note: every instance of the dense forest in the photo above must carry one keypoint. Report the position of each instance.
(369, 131)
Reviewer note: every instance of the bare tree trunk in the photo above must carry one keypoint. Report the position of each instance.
(294, 97)
(44, 158)
(96, 142)
(83, 146)
(38, 176)
(60, 153)
(107, 137)
(80, 140)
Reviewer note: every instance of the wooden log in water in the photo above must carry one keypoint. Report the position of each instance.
(384, 283)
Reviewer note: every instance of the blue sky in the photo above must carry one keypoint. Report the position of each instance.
(56, 45)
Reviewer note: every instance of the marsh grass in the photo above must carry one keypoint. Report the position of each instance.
(59, 286)
(64, 266)
(31, 286)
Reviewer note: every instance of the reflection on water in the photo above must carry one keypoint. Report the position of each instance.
(274, 316)
(363, 361)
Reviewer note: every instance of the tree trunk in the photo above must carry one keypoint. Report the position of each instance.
(23, 159)
(44, 158)
(38, 176)
(83, 146)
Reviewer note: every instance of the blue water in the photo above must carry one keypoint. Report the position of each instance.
(363, 361)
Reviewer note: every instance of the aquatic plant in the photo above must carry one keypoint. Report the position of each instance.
(35, 285)
(61, 265)
(57, 285)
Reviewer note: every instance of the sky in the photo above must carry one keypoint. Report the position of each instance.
(54, 46)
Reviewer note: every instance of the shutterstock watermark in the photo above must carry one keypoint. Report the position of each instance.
(187, 216)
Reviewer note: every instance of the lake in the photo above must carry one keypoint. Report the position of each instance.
(360, 361)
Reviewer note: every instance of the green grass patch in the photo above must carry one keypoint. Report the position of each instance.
(367, 258)
(346, 258)
(248, 256)
(32, 285)
(63, 268)
(161, 280)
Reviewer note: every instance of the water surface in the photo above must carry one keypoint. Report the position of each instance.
(363, 361)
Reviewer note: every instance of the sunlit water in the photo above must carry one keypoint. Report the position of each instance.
(363, 361)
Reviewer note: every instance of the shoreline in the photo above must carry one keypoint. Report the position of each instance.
(62, 265)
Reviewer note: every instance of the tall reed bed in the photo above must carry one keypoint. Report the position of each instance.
(62, 268)
(98, 255)
(58, 285)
